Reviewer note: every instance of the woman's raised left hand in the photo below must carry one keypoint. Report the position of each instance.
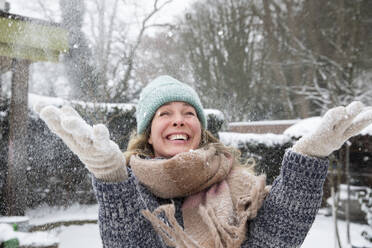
(336, 127)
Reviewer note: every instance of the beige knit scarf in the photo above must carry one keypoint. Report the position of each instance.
(220, 197)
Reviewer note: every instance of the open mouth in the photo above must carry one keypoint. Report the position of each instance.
(183, 137)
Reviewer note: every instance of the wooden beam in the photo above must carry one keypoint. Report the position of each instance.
(29, 33)
(28, 53)
(31, 39)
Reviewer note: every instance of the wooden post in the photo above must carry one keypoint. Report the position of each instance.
(17, 153)
(1, 87)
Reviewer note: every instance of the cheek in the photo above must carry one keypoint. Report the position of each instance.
(157, 128)
(196, 128)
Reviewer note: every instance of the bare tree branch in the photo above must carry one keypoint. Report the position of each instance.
(144, 26)
(47, 12)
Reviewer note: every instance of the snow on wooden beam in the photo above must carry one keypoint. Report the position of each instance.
(31, 39)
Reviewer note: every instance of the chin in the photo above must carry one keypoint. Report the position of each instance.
(177, 151)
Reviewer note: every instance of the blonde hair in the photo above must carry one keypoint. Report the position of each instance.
(138, 145)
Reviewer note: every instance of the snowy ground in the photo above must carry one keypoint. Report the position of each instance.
(87, 235)
(321, 234)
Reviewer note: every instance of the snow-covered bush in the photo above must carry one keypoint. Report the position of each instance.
(266, 150)
(55, 175)
(215, 120)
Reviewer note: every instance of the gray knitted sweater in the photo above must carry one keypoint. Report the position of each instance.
(283, 221)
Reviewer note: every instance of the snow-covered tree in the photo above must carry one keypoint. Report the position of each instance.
(222, 41)
(319, 49)
(104, 37)
(277, 59)
(115, 39)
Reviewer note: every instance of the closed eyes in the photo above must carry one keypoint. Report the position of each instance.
(163, 113)
(166, 113)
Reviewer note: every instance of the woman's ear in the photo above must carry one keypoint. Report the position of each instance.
(148, 135)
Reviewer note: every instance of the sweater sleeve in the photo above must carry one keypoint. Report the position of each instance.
(120, 222)
(291, 206)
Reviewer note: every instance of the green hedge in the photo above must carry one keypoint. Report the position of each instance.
(55, 176)
(266, 150)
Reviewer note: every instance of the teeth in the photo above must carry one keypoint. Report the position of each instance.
(178, 137)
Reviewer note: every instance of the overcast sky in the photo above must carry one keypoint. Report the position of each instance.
(34, 9)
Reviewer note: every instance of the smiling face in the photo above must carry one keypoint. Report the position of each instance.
(175, 128)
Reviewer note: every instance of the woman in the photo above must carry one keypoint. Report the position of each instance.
(177, 186)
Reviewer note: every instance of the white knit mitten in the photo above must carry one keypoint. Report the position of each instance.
(336, 127)
(92, 145)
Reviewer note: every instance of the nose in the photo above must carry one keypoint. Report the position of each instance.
(178, 121)
(175, 124)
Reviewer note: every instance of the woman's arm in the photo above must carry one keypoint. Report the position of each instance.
(291, 206)
(120, 222)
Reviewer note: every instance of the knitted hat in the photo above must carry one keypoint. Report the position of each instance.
(160, 91)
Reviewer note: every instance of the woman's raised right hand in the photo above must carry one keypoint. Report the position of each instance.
(92, 145)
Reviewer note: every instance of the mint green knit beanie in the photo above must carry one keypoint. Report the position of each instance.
(160, 91)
